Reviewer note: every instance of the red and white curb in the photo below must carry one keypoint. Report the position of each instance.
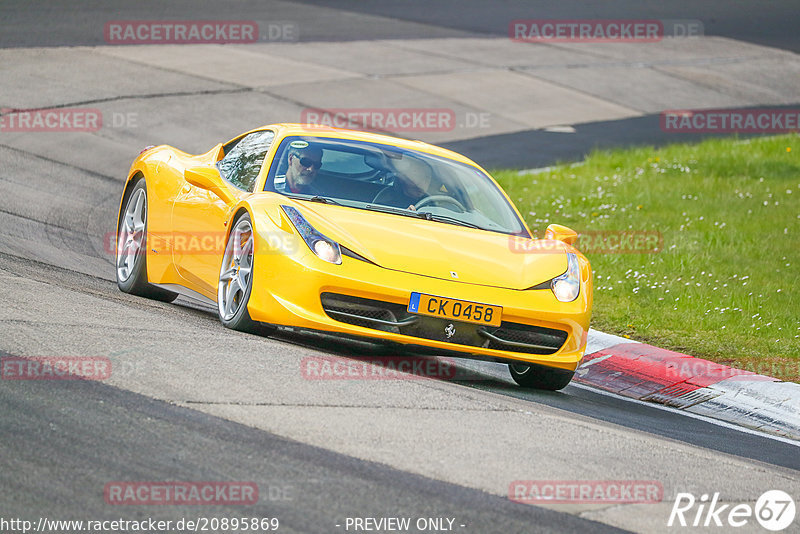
(647, 373)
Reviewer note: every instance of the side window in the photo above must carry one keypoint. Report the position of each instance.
(243, 161)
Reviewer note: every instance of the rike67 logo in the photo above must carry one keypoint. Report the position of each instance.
(774, 510)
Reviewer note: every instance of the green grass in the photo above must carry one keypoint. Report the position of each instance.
(725, 285)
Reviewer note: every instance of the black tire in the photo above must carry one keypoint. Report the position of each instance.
(240, 318)
(131, 270)
(539, 376)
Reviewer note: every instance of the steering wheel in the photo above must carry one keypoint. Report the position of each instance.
(381, 193)
(441, 198)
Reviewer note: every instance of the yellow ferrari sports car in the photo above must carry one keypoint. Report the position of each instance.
(359, 235)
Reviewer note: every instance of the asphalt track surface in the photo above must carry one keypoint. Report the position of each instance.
(90, 434)
(49, 24)
(194, 401)
(774, 25)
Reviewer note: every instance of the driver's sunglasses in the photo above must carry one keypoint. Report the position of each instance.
(308, 162)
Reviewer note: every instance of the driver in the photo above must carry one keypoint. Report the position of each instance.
(304, 160)
(414, 178)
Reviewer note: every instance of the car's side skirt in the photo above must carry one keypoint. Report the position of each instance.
(186, 292)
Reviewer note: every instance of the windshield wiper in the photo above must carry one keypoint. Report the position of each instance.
(399, 211)
(324, 200)
(452, 220)
(422, 215)
(315, 198)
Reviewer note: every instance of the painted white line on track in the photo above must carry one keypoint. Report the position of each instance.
(713, 421)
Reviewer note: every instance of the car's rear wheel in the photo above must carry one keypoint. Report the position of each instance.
(540, 377)
(236, 279)
(131, 264)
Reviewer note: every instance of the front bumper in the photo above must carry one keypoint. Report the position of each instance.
(288, 290)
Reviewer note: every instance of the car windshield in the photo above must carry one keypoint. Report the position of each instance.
(389, 179)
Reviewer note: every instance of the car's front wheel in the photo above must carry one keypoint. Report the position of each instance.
(540, 377)
(131, 264)
(236, 278)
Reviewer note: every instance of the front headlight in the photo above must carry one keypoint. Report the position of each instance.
(324, 247)
(567, 286)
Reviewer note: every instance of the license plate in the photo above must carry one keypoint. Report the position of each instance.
(458, 310)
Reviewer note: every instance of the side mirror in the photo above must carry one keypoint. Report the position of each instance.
(561, 233)
(209, 179)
